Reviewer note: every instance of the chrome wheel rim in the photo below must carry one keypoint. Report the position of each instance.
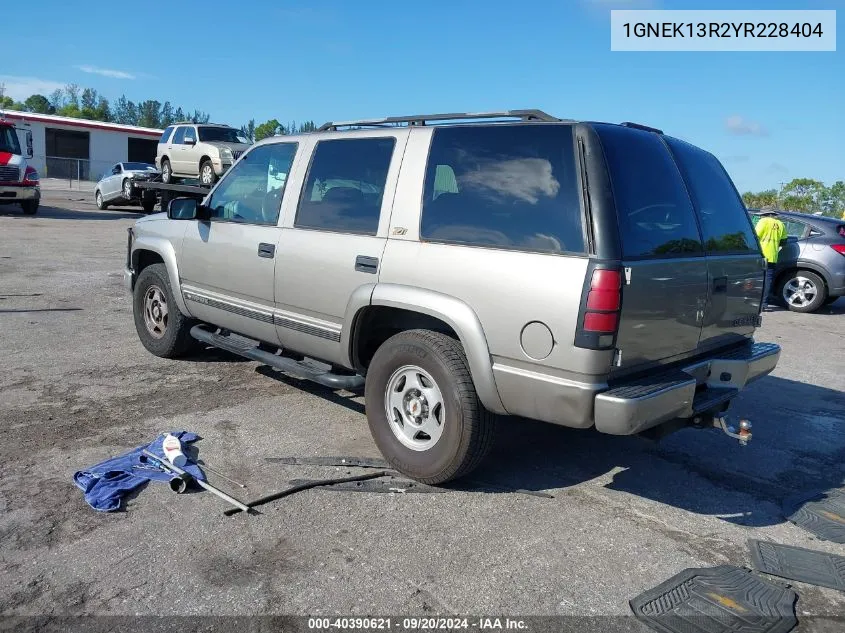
(127, 189)
(799, 292)
(414, 407)
(99, 200)
(205, 175)
(155, 312)
(165, 172)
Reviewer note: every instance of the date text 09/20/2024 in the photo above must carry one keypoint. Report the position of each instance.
(417, 624)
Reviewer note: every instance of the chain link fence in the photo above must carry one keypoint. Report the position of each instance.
(73, 170)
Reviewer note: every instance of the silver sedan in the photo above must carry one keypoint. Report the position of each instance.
(117, 187)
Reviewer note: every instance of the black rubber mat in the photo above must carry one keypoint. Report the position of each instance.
(823, 514)
(386, 484)
(798, 563)
(717, 599)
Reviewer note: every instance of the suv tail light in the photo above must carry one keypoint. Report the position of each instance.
(601, 303)
(839, 248)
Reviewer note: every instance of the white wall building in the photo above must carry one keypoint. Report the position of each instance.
(64, 147)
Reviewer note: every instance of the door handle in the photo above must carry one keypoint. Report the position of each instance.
(266, 250)
(720, 284)
(365, 264)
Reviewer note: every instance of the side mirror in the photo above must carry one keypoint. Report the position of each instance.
(183, 209)
(189, 140)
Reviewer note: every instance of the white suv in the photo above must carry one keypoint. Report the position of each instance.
(204, 151)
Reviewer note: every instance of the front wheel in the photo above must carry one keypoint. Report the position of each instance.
(127, 188)
(207, 175)
(423, 410)
(30, 207)
(802, 291)
(162, 328)
(101, 205)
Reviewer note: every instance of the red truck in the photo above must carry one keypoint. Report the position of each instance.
(19, 182)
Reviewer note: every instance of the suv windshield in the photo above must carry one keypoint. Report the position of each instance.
(221, 134)
(9, 140)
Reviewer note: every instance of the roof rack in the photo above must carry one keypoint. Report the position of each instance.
(640, 126)
(421, 119)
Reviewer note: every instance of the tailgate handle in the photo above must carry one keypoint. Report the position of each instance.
(720, 284)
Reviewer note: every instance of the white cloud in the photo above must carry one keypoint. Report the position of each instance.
(106, 72)
(19, 88)
(740, 126)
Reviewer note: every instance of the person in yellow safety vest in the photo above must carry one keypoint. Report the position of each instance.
(770, 231)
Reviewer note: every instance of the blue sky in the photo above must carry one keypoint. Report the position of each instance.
(769, 117)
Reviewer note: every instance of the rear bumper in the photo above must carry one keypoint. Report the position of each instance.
(685, 392)
(18, 193)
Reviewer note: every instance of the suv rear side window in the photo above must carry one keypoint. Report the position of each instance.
(724, 221)
(179, 136)
(345, 185)
(165, 135)
(512, 187)
(656, 218)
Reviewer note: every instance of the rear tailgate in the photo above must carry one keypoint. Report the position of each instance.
(665, 291)
(735, 266)
(694, 271)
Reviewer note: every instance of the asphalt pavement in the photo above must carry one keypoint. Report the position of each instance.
(76, 387)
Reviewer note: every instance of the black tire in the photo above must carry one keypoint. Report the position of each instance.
(818, 298)
(175, 339)
(166, 172)
(148, 204)
(467, 427)
(98, 199)
(206, 164)
(30, 207)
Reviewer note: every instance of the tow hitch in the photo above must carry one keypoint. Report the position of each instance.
(744, 434)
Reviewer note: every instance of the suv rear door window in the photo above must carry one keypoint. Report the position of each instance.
(504, 186)
(345, 185)
(656, 217)
(179, 136)
(724, 221)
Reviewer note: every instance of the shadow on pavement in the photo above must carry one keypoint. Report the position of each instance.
(798, 446)
(56, 213)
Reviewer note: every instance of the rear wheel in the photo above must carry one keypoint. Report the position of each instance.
(207, 175)
(802, 291)
(30, 207)
(166, 172)
(422, 408)
(162, 328)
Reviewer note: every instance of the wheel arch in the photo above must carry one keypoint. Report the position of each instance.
(803, 264)
(406, 307)
(153, 250)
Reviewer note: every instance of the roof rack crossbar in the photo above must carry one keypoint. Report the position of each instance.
(421, 119)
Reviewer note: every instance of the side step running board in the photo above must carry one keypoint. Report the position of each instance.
(288, 365)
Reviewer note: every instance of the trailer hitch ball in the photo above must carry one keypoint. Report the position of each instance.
(743, 434)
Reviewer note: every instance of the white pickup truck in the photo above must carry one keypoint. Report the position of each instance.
(18, 181)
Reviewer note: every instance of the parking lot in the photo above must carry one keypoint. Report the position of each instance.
(76, 387)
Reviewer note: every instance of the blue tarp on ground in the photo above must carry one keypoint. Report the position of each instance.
(106, 484)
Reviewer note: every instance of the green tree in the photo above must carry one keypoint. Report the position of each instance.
(761, 199)
(72, 95)
(166, 114)
(802, 194)
(102, 112)
(268, 128)
(149, 113)
(249, 129)
(57, 99)
(38, 104)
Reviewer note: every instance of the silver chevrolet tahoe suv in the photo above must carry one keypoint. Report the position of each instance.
(460, 268)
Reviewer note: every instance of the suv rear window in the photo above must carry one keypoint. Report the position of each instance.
(656, 218)
(165, 135)
(507, 186)
(345, 185)
(724, 222)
